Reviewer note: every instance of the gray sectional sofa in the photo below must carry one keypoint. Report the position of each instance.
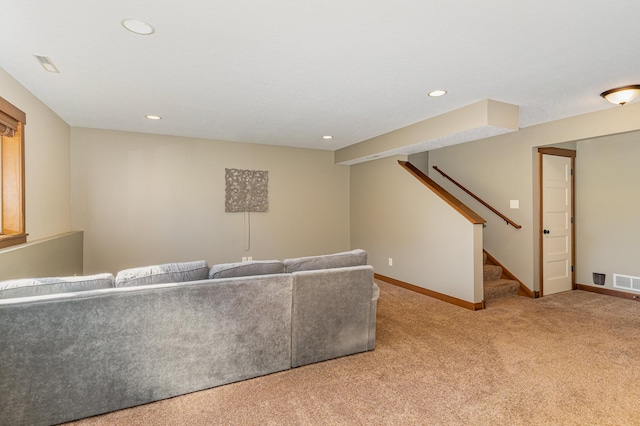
(69, 351)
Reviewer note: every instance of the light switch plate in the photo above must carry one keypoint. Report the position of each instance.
(514, 204)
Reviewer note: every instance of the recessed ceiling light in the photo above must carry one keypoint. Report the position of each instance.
(437, 93)
(327, 137)
(46, 63)
(153, 117)
(137, 26)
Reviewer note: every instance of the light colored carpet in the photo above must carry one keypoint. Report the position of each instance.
(567, 359)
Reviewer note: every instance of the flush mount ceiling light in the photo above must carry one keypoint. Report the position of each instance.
(437, 93)
(153, 117)
(137, 26)
(622, 95)
(327, 137)
(46, 63)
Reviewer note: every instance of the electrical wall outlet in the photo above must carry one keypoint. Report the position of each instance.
(390, 262)
(244, 258)
(250, 258)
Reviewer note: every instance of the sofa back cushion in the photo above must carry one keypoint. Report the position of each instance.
(246, 269)
(345, 259)
(28, 287)
(162, 274)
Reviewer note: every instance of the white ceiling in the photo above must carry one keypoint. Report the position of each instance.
(287, 72)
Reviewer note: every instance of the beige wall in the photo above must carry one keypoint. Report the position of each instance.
(607, 206)
(395, 216)
(47, 163)
(56, 256)
(144, 199)
(497, 170)
(504, 168)
(500, 169)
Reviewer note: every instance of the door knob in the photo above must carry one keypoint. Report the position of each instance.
(546, 231)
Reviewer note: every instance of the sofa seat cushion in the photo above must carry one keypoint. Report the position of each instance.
(246, 269)
(28, 287)
(345, 259)
(162, 274)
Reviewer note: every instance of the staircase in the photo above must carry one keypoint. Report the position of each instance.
(496, 283)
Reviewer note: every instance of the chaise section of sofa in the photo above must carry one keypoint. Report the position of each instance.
(332, 313)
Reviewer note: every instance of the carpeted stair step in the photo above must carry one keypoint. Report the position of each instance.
(497, 289)
(491, 272)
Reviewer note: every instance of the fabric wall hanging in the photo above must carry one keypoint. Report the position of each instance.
(246, 190)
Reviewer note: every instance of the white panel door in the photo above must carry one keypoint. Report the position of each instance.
(556, 223)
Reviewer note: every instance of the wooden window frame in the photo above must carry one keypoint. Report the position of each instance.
(12, 206)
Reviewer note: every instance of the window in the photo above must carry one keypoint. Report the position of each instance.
(12, 203)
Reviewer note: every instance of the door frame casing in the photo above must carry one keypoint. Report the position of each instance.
(561, 152)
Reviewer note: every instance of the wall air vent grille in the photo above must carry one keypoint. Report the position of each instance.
(626, 282)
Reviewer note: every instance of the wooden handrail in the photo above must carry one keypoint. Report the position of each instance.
(445, 195)
(506, 219)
